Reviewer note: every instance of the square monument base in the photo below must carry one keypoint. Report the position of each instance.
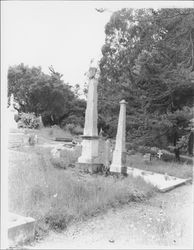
(118, 169)
(90, 167)
(20, 230)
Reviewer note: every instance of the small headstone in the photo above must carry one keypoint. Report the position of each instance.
(33, 139)
(56, 151)
(159, 154)
(101, 133)
(166, 177)
(147, 158)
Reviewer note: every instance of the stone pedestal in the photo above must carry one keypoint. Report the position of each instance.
(90, 143)
(20, 229)
(119, 155)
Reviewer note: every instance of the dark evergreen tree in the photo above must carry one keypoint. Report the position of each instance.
(43, 94)
(148, 60)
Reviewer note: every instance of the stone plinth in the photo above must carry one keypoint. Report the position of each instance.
(119, 155)
(162, 182)
(90, 138)
(20, 229)
(89, 150)
(92, 168)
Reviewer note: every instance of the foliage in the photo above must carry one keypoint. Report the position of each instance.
(74, 120)
(43, 94)
(28, 120)
(147, 60)
(74, 129)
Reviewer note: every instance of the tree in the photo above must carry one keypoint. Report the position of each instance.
(148, 60)
(42, 94)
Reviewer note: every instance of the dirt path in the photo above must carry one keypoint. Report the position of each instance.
(165, 221)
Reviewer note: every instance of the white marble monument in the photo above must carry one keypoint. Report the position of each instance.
(89, 158)
(12, 112)
(118, 164)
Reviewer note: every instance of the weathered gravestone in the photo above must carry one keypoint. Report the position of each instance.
(147, 158)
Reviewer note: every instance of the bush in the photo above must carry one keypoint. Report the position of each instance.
(74, 129)
(29, 120)
(70, 127)
(144, 150)
(57, 220)
(73, 119)
(32, 140)
(78, 130)
(59, 163)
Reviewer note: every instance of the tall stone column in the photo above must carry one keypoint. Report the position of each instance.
(89, 158)
(119, 155)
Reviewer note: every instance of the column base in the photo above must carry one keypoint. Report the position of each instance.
(118, 169)
(90, 167)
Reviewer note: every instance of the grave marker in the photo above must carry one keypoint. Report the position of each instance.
(119, 155)
(89, 159)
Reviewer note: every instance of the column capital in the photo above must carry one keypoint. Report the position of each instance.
(92, 72)
(123, 102)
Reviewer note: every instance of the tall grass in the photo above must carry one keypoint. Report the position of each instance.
(180, 170)
(53, 132)
(55, 197)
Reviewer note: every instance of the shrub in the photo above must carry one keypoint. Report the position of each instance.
(73, 119)
(59, 163)
(32, 140)
(70, 127)
(78, 130)
(29, 120)
(74, 129)
(57, 220)
(144, 150)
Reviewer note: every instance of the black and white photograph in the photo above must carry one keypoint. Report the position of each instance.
(97, 124)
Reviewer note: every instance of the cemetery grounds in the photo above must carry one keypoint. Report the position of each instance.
(73, 206)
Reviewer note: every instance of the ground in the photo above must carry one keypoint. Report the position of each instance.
(163, 221)
(95, 211)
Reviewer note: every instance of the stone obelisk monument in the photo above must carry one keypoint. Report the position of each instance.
(89, 159)
(119, 155)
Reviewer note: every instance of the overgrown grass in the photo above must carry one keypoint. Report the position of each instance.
(54, 132)
(56, 197)
(180, 170)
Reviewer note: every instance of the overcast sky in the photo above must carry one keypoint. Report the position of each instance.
(64, 34)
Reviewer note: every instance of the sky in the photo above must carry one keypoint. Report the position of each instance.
(65, 34)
